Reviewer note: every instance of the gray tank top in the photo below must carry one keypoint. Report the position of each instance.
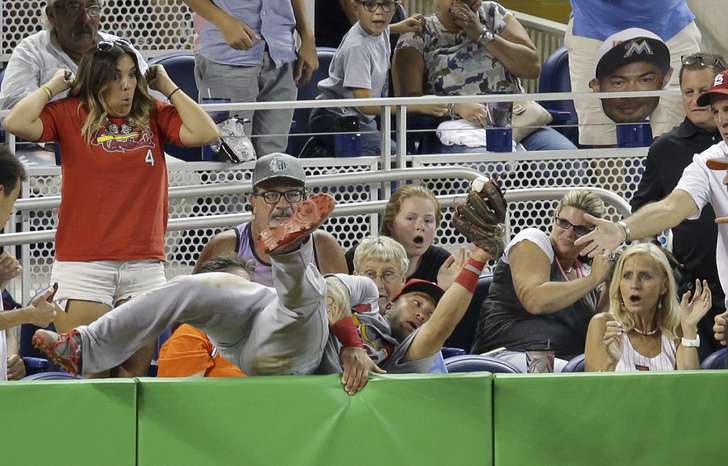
(263, 273)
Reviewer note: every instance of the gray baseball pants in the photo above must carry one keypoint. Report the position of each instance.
(262, 330)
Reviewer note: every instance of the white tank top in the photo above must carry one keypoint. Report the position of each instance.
(633, 361)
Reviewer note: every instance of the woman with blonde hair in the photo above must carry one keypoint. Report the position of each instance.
(646, 329)
(543, 295)
(113, 214)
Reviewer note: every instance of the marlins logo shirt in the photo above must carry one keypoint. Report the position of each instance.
(114, 190)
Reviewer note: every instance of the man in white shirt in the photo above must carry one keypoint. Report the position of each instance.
(703, 182)
(40, 312)
(73, 31)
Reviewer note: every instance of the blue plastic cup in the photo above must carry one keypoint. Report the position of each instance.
(634, 135)
(498, 132)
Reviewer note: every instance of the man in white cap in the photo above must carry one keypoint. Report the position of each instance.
(703, 182)
(632, 60)
(279, 184)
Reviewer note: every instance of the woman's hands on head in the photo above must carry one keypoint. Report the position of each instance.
(693, 307)
(158, 80)
(61, 81)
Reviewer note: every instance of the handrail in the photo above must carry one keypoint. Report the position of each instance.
(405, 101)
(542, 24)
(360, 208)
(177, 192)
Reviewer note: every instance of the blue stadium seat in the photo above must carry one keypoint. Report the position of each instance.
(180, 67)
(35, 365)
(308, 92)
(576, 364)
(716, 360)
(555, 78)
(478, 363)
(464, 333)
(51, 376)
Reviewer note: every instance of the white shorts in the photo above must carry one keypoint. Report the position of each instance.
(595, 127)
(105, 282)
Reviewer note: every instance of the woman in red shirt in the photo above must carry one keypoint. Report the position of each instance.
(113, 214)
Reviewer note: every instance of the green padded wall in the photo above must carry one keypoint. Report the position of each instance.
(74, 423)
(611, 419)
(277, 421)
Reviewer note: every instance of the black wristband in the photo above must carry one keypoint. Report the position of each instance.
(169, 97)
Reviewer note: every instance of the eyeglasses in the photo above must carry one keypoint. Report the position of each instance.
(372, 5)
(76, 8)
(580, 230)
(106, 45)
(388, 276)
(273, 197)
(704, 59)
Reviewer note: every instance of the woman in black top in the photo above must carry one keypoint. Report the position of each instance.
(542, 295)
(411, 218)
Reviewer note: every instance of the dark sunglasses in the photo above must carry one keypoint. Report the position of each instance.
(272, 197)
(704, 59)
(372, 5)
(580, 230)
(106, 45)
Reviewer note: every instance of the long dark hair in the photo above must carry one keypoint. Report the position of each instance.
(95, 72)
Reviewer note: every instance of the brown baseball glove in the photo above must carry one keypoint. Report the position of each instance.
(481, 218)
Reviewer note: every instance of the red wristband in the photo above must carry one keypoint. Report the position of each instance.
(347, 333)
(468, 276)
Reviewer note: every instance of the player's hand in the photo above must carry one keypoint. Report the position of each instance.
(607, 235)
(357, 366)
(16, 367)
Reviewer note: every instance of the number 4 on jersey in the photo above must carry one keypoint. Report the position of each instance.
(149, 158)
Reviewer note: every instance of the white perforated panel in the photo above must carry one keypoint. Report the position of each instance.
(152, 25)
(183, 247)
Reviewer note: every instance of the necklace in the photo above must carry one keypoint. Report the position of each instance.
(642, 332)
(566, 273)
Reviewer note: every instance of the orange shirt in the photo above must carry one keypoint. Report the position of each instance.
(114, 191)
(189, 351)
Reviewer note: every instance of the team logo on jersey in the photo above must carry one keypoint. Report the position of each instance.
(123, 138)
(277, 165)
(637, 47)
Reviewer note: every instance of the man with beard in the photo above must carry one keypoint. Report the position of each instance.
(631, 60)
(279, 184)
(73, 30)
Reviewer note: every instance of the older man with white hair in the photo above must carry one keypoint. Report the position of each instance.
(73, 30)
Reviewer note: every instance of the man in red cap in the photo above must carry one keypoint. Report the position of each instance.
(703, 182)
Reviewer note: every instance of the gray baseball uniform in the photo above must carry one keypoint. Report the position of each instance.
(262, 330)
(375, 331)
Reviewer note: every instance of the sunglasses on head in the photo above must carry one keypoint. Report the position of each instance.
(580, 230)
(106, 45)
(704, 59)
